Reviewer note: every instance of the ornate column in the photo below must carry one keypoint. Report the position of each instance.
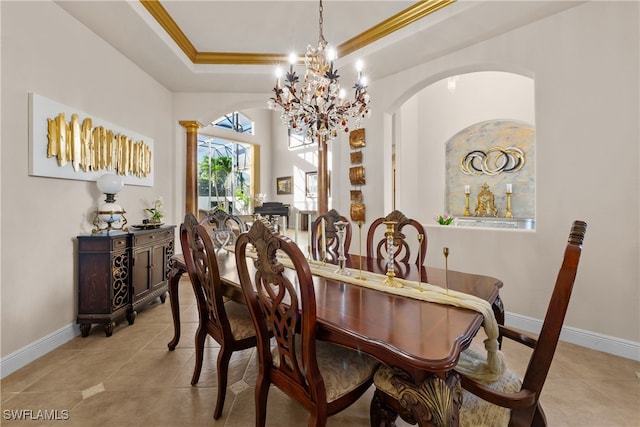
(191, 175)
(323, 176)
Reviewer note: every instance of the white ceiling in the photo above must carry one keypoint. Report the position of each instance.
(280, 27)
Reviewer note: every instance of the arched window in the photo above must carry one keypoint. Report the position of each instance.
(225, 166)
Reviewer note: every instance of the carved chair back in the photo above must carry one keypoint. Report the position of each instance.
(547, 342)
(332, 240)
(223, 228)
(202, 266)
(285, 303)
(289, 308)
(377, 240)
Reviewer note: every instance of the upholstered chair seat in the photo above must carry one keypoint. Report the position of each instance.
(239, 320)
(342, 369)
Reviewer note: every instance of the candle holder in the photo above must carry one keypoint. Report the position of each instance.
(391, 249)
(360, 277)
(420, 242)
(309, 226)
(467, 212)
(341, 230)
(508, 212)
(445, 251)
(323, 241)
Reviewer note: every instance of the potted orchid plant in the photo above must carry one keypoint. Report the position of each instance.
(155, 212)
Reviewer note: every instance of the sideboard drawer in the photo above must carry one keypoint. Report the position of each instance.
(141, 239)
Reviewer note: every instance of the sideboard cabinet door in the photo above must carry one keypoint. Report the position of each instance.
(103, 280)
(152, 250)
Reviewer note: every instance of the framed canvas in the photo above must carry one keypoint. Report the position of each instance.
(311, 184)
(284, 185)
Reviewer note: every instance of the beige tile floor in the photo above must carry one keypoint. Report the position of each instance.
(131, 379)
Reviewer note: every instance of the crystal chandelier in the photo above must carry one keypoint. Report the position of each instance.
(318, 106)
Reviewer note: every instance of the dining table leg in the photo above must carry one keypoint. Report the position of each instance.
(498, 312)
(432, 402)
(174, 280)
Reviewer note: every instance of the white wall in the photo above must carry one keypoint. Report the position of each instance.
(585, 65)
(46, 51)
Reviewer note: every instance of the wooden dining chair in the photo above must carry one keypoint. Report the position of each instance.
(508, 401)
(229, 323)
(223, 228)
(323, 377)
(377, 240)
(332, 241)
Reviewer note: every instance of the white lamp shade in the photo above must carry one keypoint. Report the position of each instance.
(110, 183)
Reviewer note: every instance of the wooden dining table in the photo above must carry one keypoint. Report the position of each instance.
(420, 339)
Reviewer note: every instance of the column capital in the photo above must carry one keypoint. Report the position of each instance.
(191, 125)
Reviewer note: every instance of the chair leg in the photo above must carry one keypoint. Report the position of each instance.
(223, 367)
(201, 335)
(262, 392)
(318, 419)
(539, 418)
(379, 413)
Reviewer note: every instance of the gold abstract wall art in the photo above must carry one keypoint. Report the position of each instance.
(67, 143)
(94, 149)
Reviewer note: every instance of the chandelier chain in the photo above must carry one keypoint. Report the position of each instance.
(320, 23)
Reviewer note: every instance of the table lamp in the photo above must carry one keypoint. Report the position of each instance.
(110, 212)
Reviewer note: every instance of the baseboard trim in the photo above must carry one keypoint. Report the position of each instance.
(36, 349)
(592, 340)
(612, 345)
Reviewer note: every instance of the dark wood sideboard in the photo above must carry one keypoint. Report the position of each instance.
(120, 272)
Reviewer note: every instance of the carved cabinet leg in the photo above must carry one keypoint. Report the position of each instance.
(84, 329)
(108, 328)
(131, 316)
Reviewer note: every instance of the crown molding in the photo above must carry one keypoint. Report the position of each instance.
(390, 25)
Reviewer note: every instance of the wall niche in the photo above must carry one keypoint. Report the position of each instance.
(497, 156)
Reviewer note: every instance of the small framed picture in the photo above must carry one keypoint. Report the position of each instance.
(311, 184)
(284, 185)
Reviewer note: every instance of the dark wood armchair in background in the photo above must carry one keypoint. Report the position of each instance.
(228, 323)
(332, 241)
(508, 401)
(323, 377)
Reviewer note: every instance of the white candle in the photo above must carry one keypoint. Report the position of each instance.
(467, 189)
(324, 240)
(297, 225)
(509, 188)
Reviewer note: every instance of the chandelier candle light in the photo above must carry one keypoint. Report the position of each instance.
(318, 106)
